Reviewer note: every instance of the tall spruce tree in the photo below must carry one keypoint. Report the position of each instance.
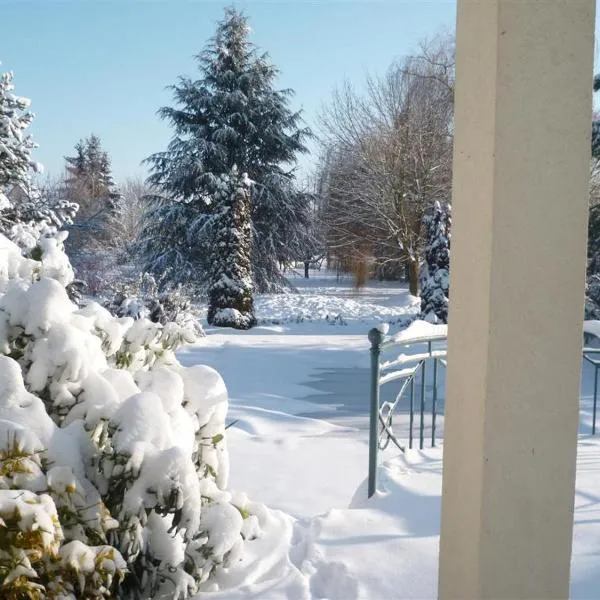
(230, 118)
(435, 275)
(230, 302)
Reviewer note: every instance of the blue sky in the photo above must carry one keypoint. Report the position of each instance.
(102, 66)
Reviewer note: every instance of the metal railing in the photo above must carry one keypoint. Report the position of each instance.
(592, 356)
(410, 370)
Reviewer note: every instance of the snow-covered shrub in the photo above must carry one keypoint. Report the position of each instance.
(113, 461)
(143, 299)
(435, 274)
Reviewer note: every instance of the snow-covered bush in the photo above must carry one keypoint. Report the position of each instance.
(143, 299)
(592, 285)
(113, 461)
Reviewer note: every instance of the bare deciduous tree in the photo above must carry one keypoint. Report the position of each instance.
(388, 155)
(125, 224)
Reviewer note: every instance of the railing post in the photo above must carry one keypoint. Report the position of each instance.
(595, 399)
(411, 418)
(375, 337)
(422, 406)
(434, 403)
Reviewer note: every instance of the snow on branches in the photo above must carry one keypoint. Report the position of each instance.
(435, 275)
(231, 117)
(230, 302)
(113, 459)
(25, 212)
(15, 146)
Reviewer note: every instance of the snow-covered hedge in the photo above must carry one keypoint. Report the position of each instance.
(113, 463)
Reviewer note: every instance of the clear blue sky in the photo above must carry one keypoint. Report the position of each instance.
(102, 66)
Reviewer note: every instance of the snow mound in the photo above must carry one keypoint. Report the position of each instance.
(385, 547)
(421, 330)
(297, 308)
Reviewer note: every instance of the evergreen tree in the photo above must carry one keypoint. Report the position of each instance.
(596, 125)
(435, 272)
(230, 291)
(89, 178)
(26, 213)
(231, 118)
(592, 286)
(15, 147)
(89, 182)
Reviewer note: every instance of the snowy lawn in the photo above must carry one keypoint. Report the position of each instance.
(298, 443)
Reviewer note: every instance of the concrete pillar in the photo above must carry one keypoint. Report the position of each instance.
(521, 168)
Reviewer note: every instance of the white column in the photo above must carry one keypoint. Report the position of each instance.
(521, 169)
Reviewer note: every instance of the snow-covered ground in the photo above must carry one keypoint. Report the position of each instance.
(298, 443)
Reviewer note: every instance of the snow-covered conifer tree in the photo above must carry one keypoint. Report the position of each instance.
(90, 183)
(596, 124)
(231, 117)
(230, 302)
(436, 269)
(25, 212)
(15, 147)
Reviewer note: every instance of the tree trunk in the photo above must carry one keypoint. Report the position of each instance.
(413, 277)
(306, 266)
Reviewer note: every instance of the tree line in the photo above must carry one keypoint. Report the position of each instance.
(387, 159)
(222, 210)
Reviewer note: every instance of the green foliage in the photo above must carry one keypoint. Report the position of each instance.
(36, 253)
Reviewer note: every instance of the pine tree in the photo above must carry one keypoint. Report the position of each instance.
(436, 270)
(89, 182)
(231, 118)
(230, 292)
(89, 178)
(26, 213)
